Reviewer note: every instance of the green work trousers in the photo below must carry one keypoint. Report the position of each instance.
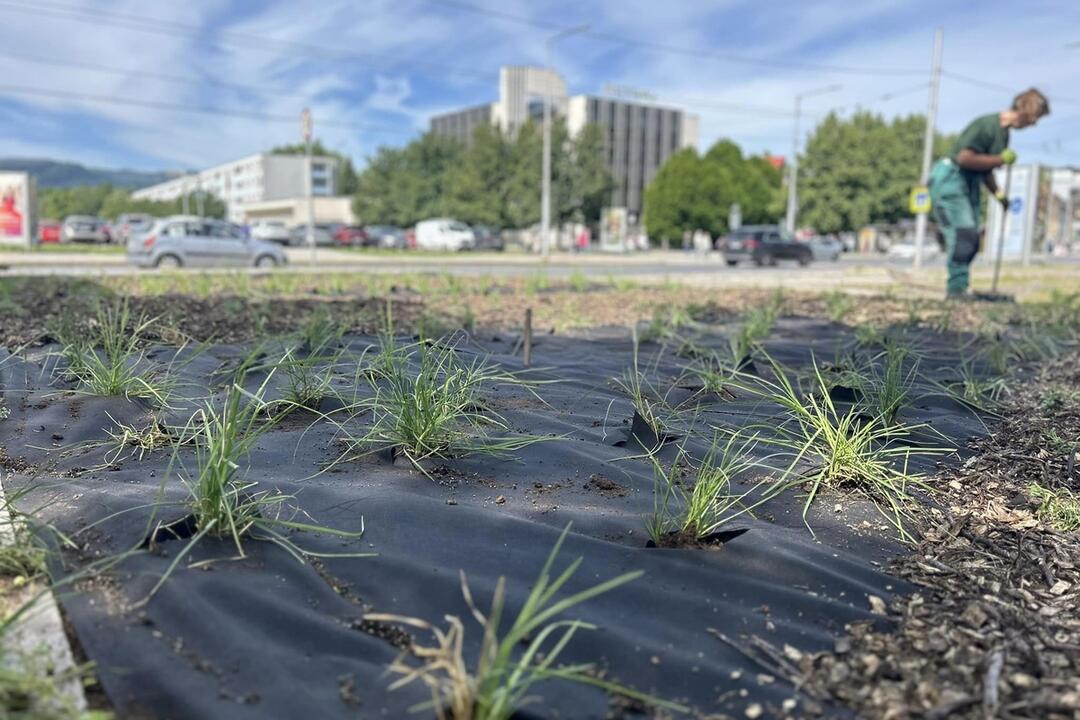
(955, 200)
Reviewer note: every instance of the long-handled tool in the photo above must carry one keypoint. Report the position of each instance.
(994, 295)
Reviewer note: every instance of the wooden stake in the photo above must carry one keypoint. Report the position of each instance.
(527, 340)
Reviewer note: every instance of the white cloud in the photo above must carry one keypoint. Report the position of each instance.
(386, 65)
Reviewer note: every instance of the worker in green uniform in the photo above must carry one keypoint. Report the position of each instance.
(955, 181)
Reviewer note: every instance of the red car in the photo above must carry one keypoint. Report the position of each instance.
(48, 231)
(350, 235)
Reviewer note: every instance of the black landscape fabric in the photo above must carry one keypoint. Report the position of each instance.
(268, 636)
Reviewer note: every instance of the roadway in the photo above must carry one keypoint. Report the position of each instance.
(655, 267)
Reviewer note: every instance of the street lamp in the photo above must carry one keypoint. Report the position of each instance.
(306, 130)
(545, 183)
(793, 166)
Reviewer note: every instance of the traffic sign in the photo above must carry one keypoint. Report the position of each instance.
(919, 201)
(1016, 205)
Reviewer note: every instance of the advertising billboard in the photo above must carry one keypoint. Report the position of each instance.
(16, 221)
(1023, 195)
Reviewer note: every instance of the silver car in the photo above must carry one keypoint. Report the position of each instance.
(84, 228)
(271, 231)
(188, 241)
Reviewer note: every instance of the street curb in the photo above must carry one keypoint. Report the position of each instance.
(41, 629)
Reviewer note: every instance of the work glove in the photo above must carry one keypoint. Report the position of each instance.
(1002, 198)
(1008, 156)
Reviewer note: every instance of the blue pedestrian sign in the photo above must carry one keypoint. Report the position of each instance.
(919, 200)
(1015, 205)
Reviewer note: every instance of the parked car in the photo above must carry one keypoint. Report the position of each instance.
(84, 228)
(48, 231)
(324, 235)
(444, 234)
(763, 245)
(350, 236)
(386, 236)
(487, 238)
(189, 241)
(825, 247)
(904, 249)
(270, 231)
(128, 225)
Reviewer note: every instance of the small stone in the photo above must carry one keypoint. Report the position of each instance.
(877, 605)
(1060, 588)
(789, 705)
(792, 654)
(754, 710)
(500, 500)
(1023, 680)
(655, 659)
(974, 615)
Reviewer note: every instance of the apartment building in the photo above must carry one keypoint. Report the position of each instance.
(253, 179)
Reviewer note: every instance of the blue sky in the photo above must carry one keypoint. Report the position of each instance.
(169, 85)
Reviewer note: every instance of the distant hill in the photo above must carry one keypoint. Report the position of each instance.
(54, 174)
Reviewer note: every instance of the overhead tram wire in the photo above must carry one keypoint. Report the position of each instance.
(677, 50)
(1054, 97)
(202, 110)
(254, 41)
(163, 77)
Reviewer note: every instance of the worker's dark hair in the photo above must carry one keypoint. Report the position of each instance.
(1032, 103)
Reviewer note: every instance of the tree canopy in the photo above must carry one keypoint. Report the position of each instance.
(108, 202)
(859, 171)
(492, 180)
(692, 192)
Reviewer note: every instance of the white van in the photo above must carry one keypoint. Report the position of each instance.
(444, 234)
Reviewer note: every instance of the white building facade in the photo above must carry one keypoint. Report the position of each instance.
(253, 179)
(639, 137)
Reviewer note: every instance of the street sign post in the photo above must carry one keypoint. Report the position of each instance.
(734, 218)
(306, 129)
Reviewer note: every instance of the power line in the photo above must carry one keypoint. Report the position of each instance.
(170, 28)
(977, 82)
(175, 107)
(164, 77)
(675, 49)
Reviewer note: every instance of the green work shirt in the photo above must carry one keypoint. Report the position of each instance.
(983, 135)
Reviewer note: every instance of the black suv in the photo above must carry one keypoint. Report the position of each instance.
(765, 245)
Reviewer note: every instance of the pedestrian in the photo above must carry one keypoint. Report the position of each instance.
(583, 239)
(956, 180)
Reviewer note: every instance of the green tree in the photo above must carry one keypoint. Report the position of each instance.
(674, 201)
(691, 192)
(404, 186)
(860, 171)
(590, 181)
(493, 180)
(478, 186)
(108, 202)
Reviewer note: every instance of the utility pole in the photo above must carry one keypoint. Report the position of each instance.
(793, 166)
(305, 131)
(928, 144)
(184, 188)
(545, 181)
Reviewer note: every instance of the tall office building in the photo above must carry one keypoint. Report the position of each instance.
(639, 136)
